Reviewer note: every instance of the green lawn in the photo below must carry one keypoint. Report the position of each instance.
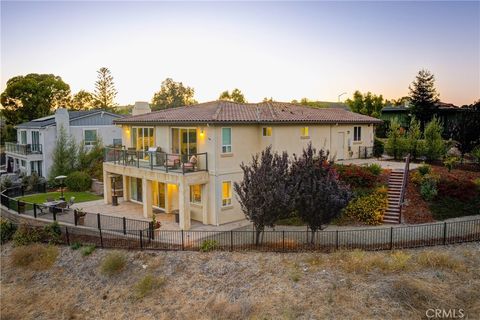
(42, 197)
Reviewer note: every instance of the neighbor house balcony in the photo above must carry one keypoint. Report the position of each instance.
(153, 159)
(23, 149)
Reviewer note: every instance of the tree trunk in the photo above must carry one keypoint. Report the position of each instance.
(258, 233)
(312, 237)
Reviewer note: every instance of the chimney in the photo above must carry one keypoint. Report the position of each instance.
(141, 107)
(62, 119)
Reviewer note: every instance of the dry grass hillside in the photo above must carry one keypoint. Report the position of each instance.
(61, 283)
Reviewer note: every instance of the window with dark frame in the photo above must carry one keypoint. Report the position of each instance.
(357, 133)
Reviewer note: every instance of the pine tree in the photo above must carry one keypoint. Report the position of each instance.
(434, 145)
(105, 91)
(413, 138)
(423, 97)
(63, 156)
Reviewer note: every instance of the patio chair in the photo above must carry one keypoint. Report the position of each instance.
(131, 155)
(71, 202)
(191, 164)
(173, 161)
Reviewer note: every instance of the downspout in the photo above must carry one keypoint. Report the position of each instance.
(215, 153)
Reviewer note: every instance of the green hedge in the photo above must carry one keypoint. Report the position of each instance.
(78, 181)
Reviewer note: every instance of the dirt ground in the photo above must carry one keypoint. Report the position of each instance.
(223, 285)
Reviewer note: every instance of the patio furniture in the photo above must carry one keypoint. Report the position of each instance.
(191, 164)
(131, 155)
(173, 161)
(55, 206)
(71, 202)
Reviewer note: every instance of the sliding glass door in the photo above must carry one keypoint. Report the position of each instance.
(142, 139)
(184, 141)
(158, 190)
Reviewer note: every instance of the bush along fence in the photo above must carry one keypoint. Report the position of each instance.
(389, 238)
(75, 217)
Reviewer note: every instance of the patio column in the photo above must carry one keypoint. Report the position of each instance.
(184, 205)
(126, 188)
(205, 203)
(147, 198)
(107, 188)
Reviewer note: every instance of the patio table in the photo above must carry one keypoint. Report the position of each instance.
(52, 205)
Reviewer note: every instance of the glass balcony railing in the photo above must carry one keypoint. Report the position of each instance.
(23, 149)
(157, 160)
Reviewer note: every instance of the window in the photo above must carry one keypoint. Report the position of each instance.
(24, 163)
(117, 142)
(226, 193)
(136, 189)
(305, 132)
(23, 137)
(142, 138)
(184, 141)
(357, 133)
(89, 137)
(267, 131)
(196, 194)
(226, 140)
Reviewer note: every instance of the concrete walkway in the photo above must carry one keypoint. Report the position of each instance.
(384, 163)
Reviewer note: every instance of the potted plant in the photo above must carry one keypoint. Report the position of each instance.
(156, 224)
(80, 214)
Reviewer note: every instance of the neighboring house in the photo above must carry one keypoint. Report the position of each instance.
(36, 139)
(188, 158)
(447, 113)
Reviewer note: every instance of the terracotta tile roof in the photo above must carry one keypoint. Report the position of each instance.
(265, 112)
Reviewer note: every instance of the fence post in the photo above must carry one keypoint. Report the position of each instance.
(150, 225)
(54, 213)
(445, 233)
(336, 240)
(101, 238)
(124, 225)
(75, 217)
(391, 238)
(23, 191)
(35, 210)
(231, 240)
(67, 235)
(283, 240)
(141, 239)
(98, 221)
(183, 243)
(18, 206)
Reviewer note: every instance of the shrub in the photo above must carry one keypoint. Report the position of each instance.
(87, 250)
(78, 181)
(464, 190)
(477, 182)
(36, 256)
(75, 246)
(428, 188)
(424, 169)
(7, 229)
(476, 154)
(416, 177)
(356, 176)
(113, 263)
(147, 284)
(27, 234)
(52, 233)
(368, 209)
(378, 148)
(375, 169)
(6, 183)
(450, 162)
(208, 245)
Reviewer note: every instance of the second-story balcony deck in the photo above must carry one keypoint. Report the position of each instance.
(157, 160)
(23, 149)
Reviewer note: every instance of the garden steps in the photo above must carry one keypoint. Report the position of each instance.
(395, 183)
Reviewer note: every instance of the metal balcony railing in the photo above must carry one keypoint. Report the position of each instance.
(157, 160)
(23, 149)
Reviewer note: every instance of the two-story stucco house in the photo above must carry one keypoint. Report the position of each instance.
(188, 158)
(36, 139)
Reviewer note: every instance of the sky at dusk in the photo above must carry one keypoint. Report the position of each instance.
(283, 50)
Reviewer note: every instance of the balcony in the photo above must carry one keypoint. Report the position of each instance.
(23, 149)
(157, 160)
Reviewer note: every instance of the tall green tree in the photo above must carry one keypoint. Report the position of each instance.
(33, 96)
(172, 95)
(465, 128)
(263, 193)
(413, 138)
(82, 100)
(395, 145)
(318, 195)
(434, 145)
(423, 97)
(64, 155)
(368, 104)
(105, 92)
(236, 96)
